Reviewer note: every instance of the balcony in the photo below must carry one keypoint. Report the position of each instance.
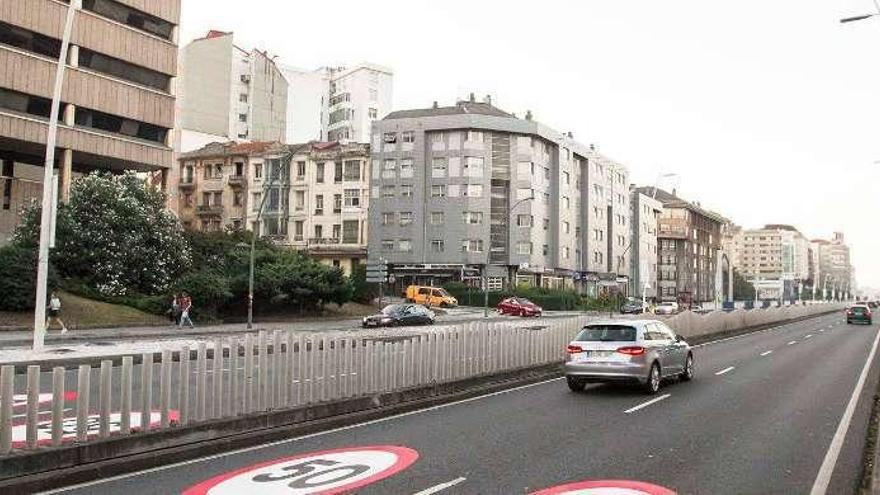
(335, 246)
(209, 210)
(672, 229)
(236, 180)
(186, 183)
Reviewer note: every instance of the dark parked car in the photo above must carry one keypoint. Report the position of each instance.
(519, 306)
(398, 315)
(858, 312)
(633, 307)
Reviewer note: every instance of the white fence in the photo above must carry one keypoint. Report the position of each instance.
(690, 324)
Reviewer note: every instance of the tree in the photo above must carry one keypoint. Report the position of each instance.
(742, 289)
(114, 235)
(18, 275)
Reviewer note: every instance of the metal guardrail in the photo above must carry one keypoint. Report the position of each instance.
(258, 373)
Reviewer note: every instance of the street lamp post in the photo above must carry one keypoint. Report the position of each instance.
(49, 165)
(254, 234)
(863, 16)
(489, 254)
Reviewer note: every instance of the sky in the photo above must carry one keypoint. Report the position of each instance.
(767, 111)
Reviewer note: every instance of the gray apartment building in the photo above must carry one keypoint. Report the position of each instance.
(117, 101)
(460, 188)
(646, 211)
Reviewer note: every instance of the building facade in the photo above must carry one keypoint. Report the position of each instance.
(228, 93)
(775, 259)
(834, 271)
(689, 241)
(312, 197)
(337, 103)
(117, 102)
(462, 188)
(645, 216)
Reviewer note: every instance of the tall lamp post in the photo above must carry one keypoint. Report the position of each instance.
(49, 165)
(863, 16)
(489, 254)
(254, 235)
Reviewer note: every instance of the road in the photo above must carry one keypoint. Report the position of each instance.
(759, 418)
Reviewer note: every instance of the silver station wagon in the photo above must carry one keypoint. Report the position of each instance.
(637, 351)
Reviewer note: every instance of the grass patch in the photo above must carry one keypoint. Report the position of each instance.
(79, 312)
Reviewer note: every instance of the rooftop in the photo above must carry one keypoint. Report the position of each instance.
(670, 200)
(461, 108)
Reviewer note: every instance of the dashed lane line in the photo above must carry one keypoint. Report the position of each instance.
(793, 342)
(646, 404)
(766, 353)
(725, 370)
(442, 486)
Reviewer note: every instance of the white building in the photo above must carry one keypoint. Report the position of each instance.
(228, 93)
(336, 103)
(643, 258)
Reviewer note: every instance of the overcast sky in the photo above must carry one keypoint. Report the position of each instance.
(767, 109)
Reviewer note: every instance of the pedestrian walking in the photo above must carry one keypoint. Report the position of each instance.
(185, 308)
(174, 311)
(55, 313)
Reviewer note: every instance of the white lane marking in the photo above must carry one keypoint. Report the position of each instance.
(808, 336)
(793, 342)
(646, 404)
(40, 413)
(821, 330)
(749, 334)
(725, 370)
(440, 487)
(820, 486)
(766, 353)
(295, 439)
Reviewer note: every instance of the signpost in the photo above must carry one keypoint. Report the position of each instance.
(377, 273)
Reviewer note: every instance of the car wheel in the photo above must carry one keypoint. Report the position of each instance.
(652, 384)
(575, 384)
(688, 373)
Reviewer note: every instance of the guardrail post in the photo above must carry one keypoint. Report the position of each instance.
(275, 378)
(201, 382)
(248, 373)
(298, 379)
(7, 391)
(235, 394)
(165, 387)
(287, 387)
(105, 389)
(217, 368)
(33, 405)
(146, 390)
(185, 376)
(125, 394)
(57, 404)
(82, 402)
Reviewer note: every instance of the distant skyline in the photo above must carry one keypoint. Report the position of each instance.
(766, 110)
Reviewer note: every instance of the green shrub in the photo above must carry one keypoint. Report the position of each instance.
(362, 291)
(18, 275)
(208, 290)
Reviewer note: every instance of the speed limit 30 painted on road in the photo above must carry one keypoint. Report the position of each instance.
(326, 472)
(606, 487)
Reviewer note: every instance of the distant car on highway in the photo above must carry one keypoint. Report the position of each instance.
(666, 308)
(398, 315)
(640, 351)
(519, 306)
(859, 313)
(633, 307)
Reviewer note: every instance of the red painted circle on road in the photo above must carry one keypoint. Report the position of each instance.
(360, 467)
(606, 487)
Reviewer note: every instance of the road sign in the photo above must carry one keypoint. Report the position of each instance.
(331, 471)
(376, 279)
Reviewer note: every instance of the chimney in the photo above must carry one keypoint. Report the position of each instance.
(570, 135)
(435, 104)
(528, 115)
(592, 147)
(673, 192)
(488, 99)
(473, 98)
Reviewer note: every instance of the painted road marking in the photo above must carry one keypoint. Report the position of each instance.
(93, 427)
(440, 487)
(606, 487)
(793, 342)
(20, 400)
(725, 370)
(766, 353)
(646, 404)
(808, 336)
(820, 486)
(330, 471)
(821, 329)
(40, 413)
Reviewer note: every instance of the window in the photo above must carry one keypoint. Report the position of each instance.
(337, 203)
(29, 40)
(242, 117)
(387, 245)
(389, 169)
(319, 172)
(566, 202)
(408, 137)
(566, 227)
(472, 245)
(243, 97)
(123, 70)
(119, 125)
(475, 136)
(299, 200)
(524, 193)
(387, 191)
(406, 191)
(319, 231)
(438, 191)
(390, 137)
(373, 113)
(374, 95)
(387, 218)
(546, 224)
(473, 166)
(300, 170)
(406, 218)
(566, 253)
(547, 173)
(218, 170)
(404, 245)
(298, 228)
(473, 190)
(545, 249)
(473, 217)
(337, 231)
(236, 198)
(438, 245)
(524, 220)
(438, 167)
(256, 199)
(437, 218)
(524, 248)
(352, 170)
(566, 178)
(258, 171)
(546, 198)
(126, 15)
(406, 168)
(187, 198)
(350, 231)
(352, 198)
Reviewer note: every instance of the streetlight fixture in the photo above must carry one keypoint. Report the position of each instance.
(48, 189)
(489, 254)
(863, 16)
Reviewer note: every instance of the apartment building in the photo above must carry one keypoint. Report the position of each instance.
(646, 211)
(688, 239)
(312, 197)
(832, 262)
(117, 102)
(337, 103)
(229, 93)
(461, 188)
(775, 259)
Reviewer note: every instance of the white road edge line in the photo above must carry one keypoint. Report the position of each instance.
(295, 439)
(766, 353)
(820, 486)
(725, 370)
(793, 342)
(646, 404)
(440, 487)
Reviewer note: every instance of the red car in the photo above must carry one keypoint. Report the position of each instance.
(519, 306)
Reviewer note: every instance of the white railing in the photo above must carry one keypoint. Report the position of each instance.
(259, 373)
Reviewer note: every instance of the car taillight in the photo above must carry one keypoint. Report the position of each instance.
(573, 349)
(849, 312)
(632, 350)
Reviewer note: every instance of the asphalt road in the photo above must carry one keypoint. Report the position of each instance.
(753, 421)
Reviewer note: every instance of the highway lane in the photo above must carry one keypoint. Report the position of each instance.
(763, 426)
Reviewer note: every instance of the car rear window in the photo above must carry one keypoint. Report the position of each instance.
(607, 333)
